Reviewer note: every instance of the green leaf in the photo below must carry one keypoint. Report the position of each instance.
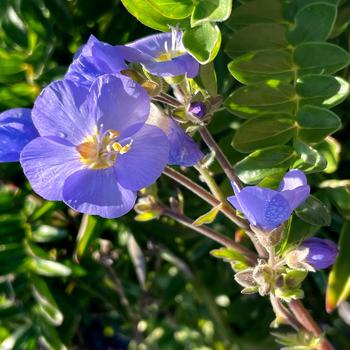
(16, 338)
(319, 58)
(207, 78)
(322, 90)
(19, 94)
(87, 233)
(175, 9)
(309, 160)
(211, 11)
(298, 231)
(14, 28)
(257, 11)
(47, 267)
(313, 22)
(46, 302)
(228, 254)
(258, 66)
(330, 149)
(256, 37)
(264, 132)
(48, 334)
(264, 163)
(150, 215)
(138, 259)
(274, 96)
(46, 233)
(314, 212)
(338, 288)
(340, 196)
(208, 217)
(203, 42)
(148, 15)
(263, 98)
(315, 124)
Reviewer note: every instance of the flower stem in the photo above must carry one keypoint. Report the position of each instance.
(210, 233)
(205, 195)
(305, 319)
(281, 310)
(296, 307)
(220, 156)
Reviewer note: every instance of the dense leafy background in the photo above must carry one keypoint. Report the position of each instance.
(62, 289)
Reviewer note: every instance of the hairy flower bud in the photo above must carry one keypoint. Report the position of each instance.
(297, 259)
(322, 252)
(197, 109)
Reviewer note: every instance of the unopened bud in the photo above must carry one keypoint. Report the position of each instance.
(197, 109)
(297, 259)
(322, 252)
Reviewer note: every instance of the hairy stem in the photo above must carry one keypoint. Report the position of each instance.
(210, 233)
(305, 319)
(220, 156)
(226, 209)
(281, 310)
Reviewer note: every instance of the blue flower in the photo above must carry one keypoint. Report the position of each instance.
(94, 150)
(16, 130)
(163, 55)
(97, 58)
(268, 209)
(183, 150)
(322, 253)
(94, 59)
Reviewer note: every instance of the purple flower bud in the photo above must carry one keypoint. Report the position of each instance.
(322, 252)
(198, 109)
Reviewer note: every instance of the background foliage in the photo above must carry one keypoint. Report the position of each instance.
(87, 283)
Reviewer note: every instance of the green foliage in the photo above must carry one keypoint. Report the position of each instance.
(289, 87)
(339, 279)
(61, 273)
(202, 37)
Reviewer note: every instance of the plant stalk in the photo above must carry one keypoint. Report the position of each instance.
(210, 233)
(220, 156)
(306, 320)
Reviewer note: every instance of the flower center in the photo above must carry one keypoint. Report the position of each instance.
(175, 50)
(101, 151)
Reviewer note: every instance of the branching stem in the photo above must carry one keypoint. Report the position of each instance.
(210, 233)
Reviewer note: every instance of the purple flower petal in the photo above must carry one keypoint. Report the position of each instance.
(253, 201)
(16, 130)
(234, 201)
(198, 109)
(119, 103)
(57, 112)
(47, 163)
(277, 211)
(181, 65)
(322, 252)
(153, 45)
(293, 179)
(297, 196)
(149, 50)
(144, 162)
(94, 59)
(183, 150)
(97, 192)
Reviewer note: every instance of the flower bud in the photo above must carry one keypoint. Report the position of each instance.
(197, 109)
(322, 252)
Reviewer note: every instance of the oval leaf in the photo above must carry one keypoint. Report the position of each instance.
(264, 132)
